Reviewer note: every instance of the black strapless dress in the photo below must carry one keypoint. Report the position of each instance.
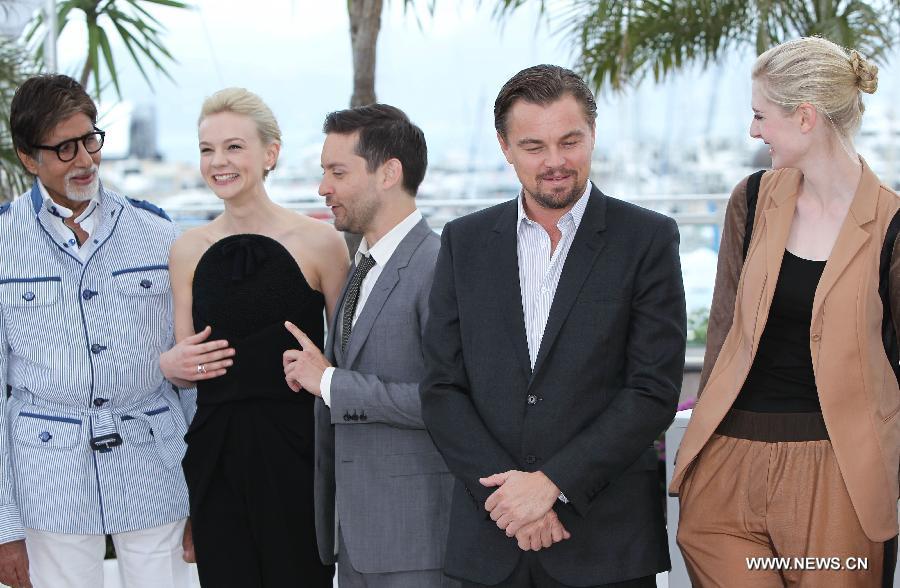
(250, 447)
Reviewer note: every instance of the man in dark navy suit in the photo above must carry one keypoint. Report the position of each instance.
(554, 352)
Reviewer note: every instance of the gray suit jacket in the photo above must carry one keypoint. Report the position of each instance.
(376, 466)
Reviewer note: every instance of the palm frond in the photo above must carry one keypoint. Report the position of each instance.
(619, 43)
(15, 67)
(139, 30)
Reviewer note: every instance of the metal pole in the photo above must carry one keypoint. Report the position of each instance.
(50, 41)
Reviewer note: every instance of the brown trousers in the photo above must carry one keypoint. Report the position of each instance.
(749, 498)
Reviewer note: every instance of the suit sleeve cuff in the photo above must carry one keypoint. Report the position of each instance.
(325, 385)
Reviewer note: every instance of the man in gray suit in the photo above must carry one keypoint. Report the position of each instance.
(374, 459)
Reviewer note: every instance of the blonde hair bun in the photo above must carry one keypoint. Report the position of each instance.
(866, 72)
(819, 72)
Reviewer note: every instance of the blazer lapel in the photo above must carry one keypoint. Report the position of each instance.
(852, 236)
(502, 245)
(388, 279)
(582, 254)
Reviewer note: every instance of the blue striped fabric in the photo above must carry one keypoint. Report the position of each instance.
(79, 350)
(539, 272)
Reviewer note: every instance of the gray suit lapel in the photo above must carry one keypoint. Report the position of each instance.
(388, 279)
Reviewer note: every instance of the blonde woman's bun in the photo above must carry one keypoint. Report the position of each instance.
(866, 72)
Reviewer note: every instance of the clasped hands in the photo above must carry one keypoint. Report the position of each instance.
(522, 506)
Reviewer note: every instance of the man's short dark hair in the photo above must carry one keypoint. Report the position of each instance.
(385, 132)
(542, 84)
(41, 103)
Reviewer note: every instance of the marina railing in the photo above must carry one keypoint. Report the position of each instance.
(699, 217)
(686, 209)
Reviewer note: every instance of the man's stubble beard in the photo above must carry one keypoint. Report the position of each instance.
(553, 201)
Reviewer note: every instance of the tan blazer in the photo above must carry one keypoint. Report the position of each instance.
(857, 386)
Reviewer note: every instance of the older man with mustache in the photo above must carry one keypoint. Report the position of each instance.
(92, 433)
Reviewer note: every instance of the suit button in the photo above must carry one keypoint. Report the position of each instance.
(816, 336)
(45, 436)
(346, 416)
(532, 399)
(87, 294)
(146, 284)
(28, 296)
(97, 348)
(98, 402)
(363, 416)
(529, 459)
(354, 416)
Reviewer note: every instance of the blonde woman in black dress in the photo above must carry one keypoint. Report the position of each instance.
(236, 280)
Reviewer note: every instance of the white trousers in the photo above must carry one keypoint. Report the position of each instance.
(149, 558)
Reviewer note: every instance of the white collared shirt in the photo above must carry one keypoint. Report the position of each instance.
(65, 236)
(539, 271)
(381, 252)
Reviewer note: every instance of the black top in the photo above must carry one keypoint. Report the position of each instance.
(245, 287)
(781, 378)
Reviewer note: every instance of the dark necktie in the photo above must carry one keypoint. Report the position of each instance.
(365, 264)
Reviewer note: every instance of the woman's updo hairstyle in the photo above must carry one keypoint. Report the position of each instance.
(818, 72)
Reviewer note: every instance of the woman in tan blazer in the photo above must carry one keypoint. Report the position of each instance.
(793, 449)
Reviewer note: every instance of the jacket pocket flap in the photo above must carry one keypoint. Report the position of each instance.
(411, 464)
(148, 425)
(142, 281)
(49, 431)
(29, 292)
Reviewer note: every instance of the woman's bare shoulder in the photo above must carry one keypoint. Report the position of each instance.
(190, 246)
(313, 236)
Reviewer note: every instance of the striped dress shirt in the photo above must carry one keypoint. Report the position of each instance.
(539, 271)
(80, 341)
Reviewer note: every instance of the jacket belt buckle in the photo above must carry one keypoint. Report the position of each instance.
(105, 443)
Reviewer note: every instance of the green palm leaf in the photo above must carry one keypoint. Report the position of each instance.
(618, 43)
(15, 67)
(138, 29)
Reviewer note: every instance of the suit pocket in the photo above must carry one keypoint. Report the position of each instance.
(47, 431)
(413, 464)
(29, 292)
(50, 460)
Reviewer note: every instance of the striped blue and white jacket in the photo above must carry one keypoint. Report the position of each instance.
(79, 371)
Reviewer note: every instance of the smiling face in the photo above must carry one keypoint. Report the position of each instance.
(781, 131)
(550, 147)
(350, 190)
(67, 182)
(233, 158)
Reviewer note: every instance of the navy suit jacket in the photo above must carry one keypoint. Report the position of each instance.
(606, 383)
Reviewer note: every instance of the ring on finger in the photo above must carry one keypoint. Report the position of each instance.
(201, 369)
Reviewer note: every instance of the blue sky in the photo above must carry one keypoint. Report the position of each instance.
(443, 70)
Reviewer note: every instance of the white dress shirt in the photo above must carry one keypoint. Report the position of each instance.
(539, 271)
(65, 236)
(381, 252)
